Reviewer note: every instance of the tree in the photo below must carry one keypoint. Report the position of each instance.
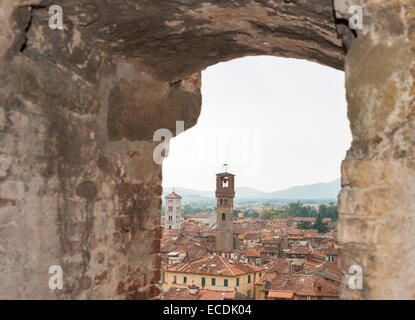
(266, 215)
(294, 209)
(254, 214)
(282, 214)
(329, 211)
(304, 225)
(319, 225)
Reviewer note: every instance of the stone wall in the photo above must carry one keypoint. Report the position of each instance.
(78, 184)
(377, 207)
(79, 107)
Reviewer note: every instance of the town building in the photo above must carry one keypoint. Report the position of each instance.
(213, 272)
(173, 211)
(195, 293)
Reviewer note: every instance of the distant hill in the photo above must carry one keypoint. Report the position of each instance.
(317, 191)
(328, 190)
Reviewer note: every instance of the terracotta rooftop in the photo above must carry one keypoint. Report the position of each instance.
(319, 254)
(305, 285)
(194, 293)
(220, 295)
(278, 266)
(214, 265)
(265, 277)
(312, 263)
(173, 195)
(282, 294)
(170, 232)
(252, 253)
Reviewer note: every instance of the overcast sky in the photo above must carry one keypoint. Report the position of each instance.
(278, 122)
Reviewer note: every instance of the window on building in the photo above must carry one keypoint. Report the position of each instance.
(203, 281)
(237, 281)
(221, 201)
(225, 182)
(248, 293)
(249, 279)
(184, 279)
(213, 282)
(170, 208)
(223, 216)
(226, 201)
(225, 282)
(174, 279)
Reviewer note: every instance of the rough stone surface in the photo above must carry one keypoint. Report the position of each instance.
(79, 107)
(377, 204)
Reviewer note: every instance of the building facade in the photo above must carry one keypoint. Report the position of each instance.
(173, 211)
(213, 272)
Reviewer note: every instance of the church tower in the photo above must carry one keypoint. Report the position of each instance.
(225, 192)
(173, 211)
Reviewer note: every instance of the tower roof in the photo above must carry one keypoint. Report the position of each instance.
(223, 174)
(173, 195)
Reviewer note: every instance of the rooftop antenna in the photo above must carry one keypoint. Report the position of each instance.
(225, 166)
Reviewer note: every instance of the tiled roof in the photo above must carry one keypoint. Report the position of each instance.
(214, 265)
(305, 285)
(312, 263)
(180, 294)
(269, 276)
(194, 293)
(173, 195)
(282, 294)
(296, 231)
(296, 237)
(217, 295)
(278, 266)
(319, 254)
(171, 232)
(252, 253)
(332, 267)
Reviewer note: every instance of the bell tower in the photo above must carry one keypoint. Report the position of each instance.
(225, 192)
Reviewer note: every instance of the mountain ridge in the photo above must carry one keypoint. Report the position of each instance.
(315, 191)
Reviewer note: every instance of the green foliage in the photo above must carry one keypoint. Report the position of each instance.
(299, 210)
(267, 214)
(281, 214)
(251, 214)
(329, 211)
(319, 225)
(191, 209)
(304, 225)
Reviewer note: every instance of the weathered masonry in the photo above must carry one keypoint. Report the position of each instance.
(79, 107)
